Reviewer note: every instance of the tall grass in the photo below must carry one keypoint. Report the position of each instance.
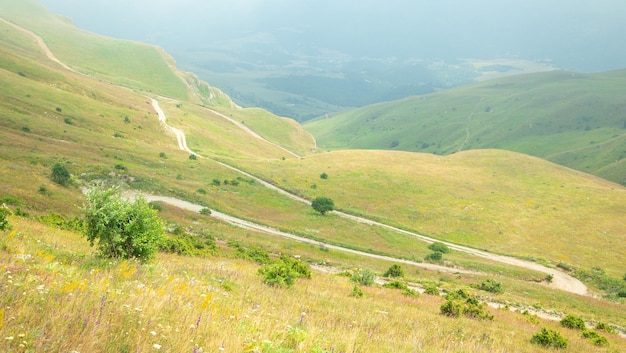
(57, 297)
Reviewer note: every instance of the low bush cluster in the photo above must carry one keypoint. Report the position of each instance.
(462, 303)
(490, 285)
(284, 273)
(549, 339)
(363, 277)
(573, 322)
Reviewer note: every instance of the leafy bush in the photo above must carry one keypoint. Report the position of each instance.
(60, 174)
(550, 339)
(462, 303)
(323, 205)
(394, 271)
(122, 229)
(278, 274)
(4, 222)
(302, 269)
(431, 290)
(357, 292)
(363, 277)
(434, 256)
(193, 157)
(573, 322)
(439, 247)
(205, 211)
(58, 221)
(323, 176)
(255, 253)
(490, 285)
(284, 272)
(187, 245)
(604, 327)
(595, 338)
(395, 285)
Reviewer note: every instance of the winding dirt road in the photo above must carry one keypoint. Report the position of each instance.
(560, 281)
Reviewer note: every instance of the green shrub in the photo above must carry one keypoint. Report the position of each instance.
(434, 256)
(394, 271)
(4, 222)
(550, 339)
(193, 157)
(59, 174)
(604, 327)
(357, 292)
(490, 285)
(187, 245)
(255, 253)
(323, 205)
(323, 176)
(363, 277)
(302, 269)
(573, 322)
(217, 182)
(121, 229)
(439, 247)
(155, 206)
(58, 221)
(205, 211)
(162, 155)
(395, 285)
(462, 303)
(431, 290)
(595, 338)
(278, 274)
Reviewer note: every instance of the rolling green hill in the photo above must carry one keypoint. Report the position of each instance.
(577, 120)
(105, 129)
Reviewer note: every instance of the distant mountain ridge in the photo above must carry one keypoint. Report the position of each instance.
(577, 120)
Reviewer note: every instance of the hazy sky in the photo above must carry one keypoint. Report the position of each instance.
(575, 34)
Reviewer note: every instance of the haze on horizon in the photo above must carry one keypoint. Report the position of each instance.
(576, 35)
(308, 58)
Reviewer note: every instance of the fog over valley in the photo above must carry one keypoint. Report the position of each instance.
(303, 59)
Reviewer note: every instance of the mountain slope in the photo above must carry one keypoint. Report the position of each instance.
(578, 120)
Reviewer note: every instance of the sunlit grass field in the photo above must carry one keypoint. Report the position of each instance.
(496, 200)
(58, 297)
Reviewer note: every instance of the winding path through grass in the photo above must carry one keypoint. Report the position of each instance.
(560, 280)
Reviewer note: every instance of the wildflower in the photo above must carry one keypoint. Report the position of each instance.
(10, 338)
(156, 346)
(192, 326)
(153, 333)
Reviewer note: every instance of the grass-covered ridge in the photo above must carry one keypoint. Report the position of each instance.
(577, 120)
(127, 63)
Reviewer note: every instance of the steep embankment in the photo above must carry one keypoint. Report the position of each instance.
(576, 120)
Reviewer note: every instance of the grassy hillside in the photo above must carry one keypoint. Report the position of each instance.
(126, 63)
(497, 200)
(577, 120)
(104, 132)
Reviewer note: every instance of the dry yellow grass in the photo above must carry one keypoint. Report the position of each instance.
(57, 297)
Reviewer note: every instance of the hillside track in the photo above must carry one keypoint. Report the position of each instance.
(560, 280)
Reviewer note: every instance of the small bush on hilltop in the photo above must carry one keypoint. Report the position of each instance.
(550, 339)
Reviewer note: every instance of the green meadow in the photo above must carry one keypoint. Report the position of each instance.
(100, 124)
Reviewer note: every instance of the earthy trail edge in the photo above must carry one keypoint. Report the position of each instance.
(560, 281)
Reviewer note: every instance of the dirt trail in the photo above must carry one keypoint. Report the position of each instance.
(560, 281)
(41, 44)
